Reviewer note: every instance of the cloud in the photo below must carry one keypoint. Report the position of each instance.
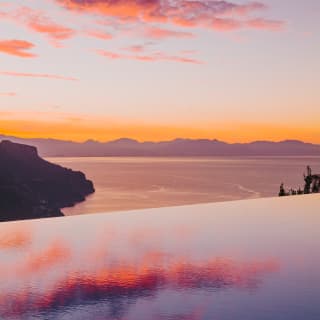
(111, 54)
(148, 57)
(223, 24)
(134, 48)
(39, 22)
(160, 33)
(247, 8)
(54, 31)
(116, 8)
(99, 35)
(160, 56)
(215, 15)
(17, 48)
(8, 94)
(36, 75)
(265, 24)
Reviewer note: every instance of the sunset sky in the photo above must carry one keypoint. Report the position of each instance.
(160, 69)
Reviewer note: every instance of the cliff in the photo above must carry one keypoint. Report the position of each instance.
(31, 187)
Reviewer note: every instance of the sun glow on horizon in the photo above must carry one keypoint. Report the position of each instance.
(80, 130)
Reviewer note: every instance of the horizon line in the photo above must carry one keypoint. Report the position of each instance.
(158, 141)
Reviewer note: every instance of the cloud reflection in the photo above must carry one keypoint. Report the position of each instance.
(119, 285)
(15, 236)
(56, 253)
(117, 267)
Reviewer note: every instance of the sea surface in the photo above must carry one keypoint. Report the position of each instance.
(239, 260)
(124, 183)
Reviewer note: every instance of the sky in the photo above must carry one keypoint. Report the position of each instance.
(156, 70)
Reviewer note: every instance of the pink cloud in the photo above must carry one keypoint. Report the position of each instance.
(8, 94)
(249, 7)
(111, 55)
(99, 35)
(160, 33)
(39, 22)
(54, 31)
(115, 8)
(222, 24)
(159, 56)
(265, 24)
(215, 14)
(134, 48)
(17, 48)
(36, 75)
(152, 57)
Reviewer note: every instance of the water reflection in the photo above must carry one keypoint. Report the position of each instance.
(121, 285)
(16, 235)
(158, 265)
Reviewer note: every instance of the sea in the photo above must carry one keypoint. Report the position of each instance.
(125, 183)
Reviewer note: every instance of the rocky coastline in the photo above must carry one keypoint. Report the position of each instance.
(31, 187)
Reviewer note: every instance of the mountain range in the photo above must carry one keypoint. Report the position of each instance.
(177, 147)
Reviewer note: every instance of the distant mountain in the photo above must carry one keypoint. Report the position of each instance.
(177, 147)
(31, 187)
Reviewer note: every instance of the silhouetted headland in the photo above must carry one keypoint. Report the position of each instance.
(31, 187)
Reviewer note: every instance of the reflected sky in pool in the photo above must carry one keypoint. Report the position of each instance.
(255, 259)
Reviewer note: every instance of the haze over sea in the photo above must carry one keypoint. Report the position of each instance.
(124, 183)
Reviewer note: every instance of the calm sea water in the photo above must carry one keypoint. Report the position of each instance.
(241, 260)
(132, 183)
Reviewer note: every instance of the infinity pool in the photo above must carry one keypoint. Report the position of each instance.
(251, 259)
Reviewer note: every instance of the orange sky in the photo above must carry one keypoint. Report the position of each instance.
(82, 128)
